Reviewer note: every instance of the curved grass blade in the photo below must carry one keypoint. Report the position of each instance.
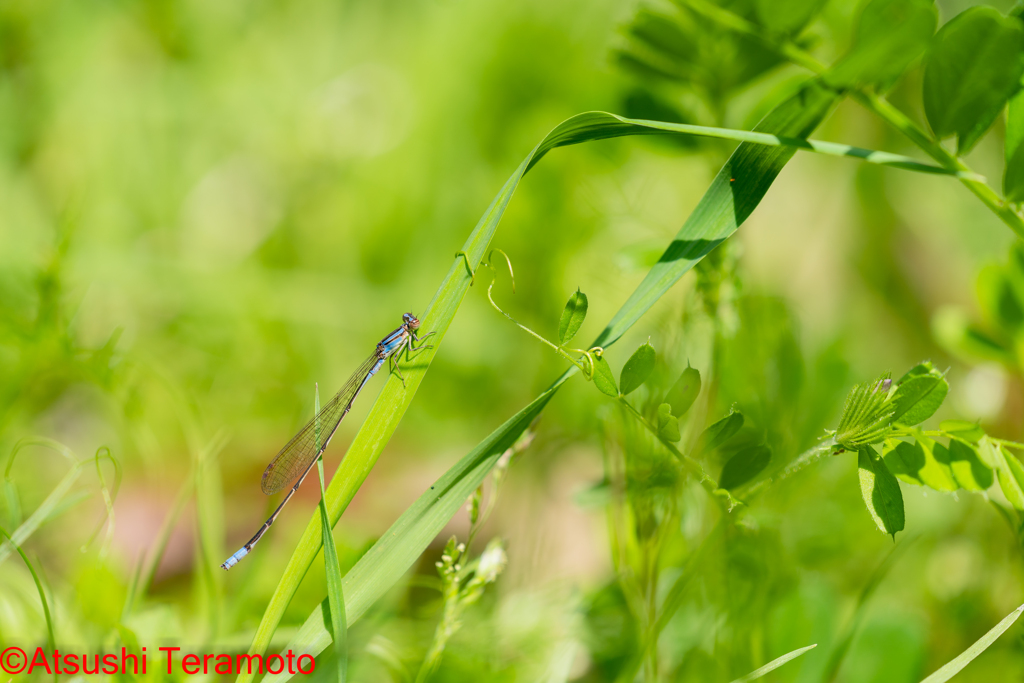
(954, 666)
(774, 664)
(850, 628)
(52, 501)
(733, 195)
(332, 568)
(52, 641)
(602, 125)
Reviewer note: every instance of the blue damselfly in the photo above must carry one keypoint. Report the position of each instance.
(299, 455)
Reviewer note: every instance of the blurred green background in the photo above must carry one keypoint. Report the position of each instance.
(209, 207)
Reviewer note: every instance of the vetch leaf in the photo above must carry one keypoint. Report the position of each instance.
(604, 378)
(1011, 476)
(1013, 175)
(890, 35)
(573, 315)
(923, 463)
(684, 392)
(918, 395)
(718, 433)
(956, 665)
(881, 492)
(637, 369)
(867, 415)
(968, 469)
(744, 466)
(974, 66)
(962, 429)
(668, 424)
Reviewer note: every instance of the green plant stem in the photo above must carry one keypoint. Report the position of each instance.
(808, 457)
(694, 467)
(874, 103)
(587, 372)
(445, 628)
(901, 122)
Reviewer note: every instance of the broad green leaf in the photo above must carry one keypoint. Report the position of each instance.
(923, 462)
(668, 424)
(718, 433)
(744, 466)
(733, 195)
(1013, 174)
(604, 378)
(987, 453)
(974, 66)
(957, 664)
(962, 429)
(968, 469)
(573, 315)
(881, 492)
(774, 664)
(1011, 476)
(918, 395)
(890, 36)
(786, 17)
(637, 369)
(684, 392)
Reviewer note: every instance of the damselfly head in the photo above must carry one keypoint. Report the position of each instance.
(411, 321)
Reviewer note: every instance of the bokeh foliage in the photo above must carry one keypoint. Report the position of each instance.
(208, 208)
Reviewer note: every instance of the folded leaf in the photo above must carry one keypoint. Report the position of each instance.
(637, 369)
(604, 378)
(718, 433)
(881, 492)
(973, 67)
(890, 35)
(918, 395)
(684, 392)
(668, 424)
(573, 315)
(744, 466)
(1011, 476)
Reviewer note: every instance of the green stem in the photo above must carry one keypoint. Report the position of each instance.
(808, 457)
(587, 372)
(901, 122)
(694, 467)
(874, 103)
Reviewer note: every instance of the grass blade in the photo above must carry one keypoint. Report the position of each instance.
(843, 642)
(733, 195)
(332, 568)
(52, 642)
(774, 664)
(606, 124)
(47, 508)
(954, 666)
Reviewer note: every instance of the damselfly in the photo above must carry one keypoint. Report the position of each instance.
(299, 455)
